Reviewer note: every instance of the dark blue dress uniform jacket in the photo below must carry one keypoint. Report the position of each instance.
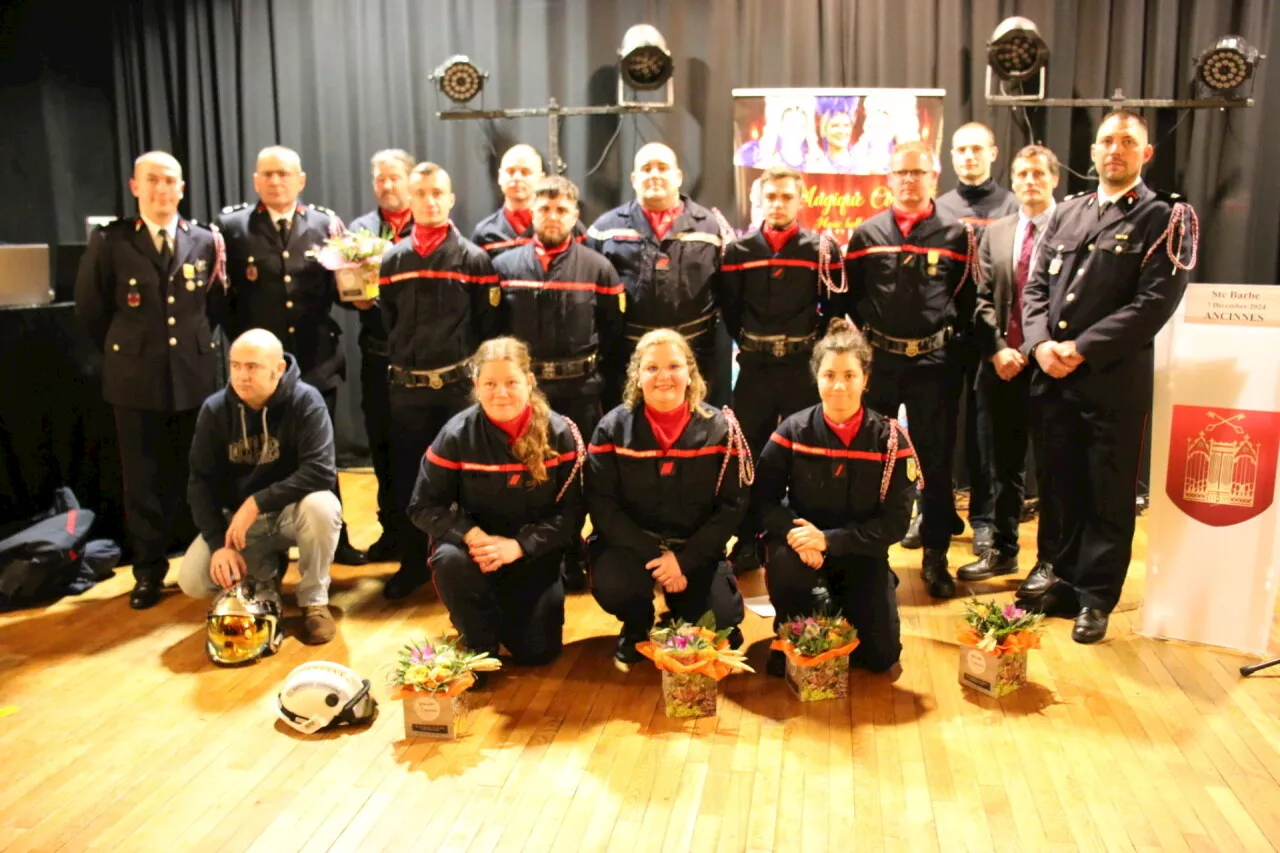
(371, 322)
(495, 235)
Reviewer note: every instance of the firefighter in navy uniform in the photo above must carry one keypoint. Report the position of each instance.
(1110, 272)
(911, 291)
(978, 201)
(393, 219)
(511, 225)
(776, 295)
(666, 488)
(833, 490)
(500, 492)
(563, 300)
(666, 249)
(150, 290)
(439, 297)
(277, 284)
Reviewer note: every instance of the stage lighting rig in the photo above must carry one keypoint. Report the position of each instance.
(459, 79)
(1227, 64)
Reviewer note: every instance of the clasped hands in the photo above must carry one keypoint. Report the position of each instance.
(491, 552)
(808, 542)
(1058, 358)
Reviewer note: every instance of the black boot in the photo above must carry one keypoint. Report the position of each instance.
(935, 574)
(625, 654)
(404, 582)
(745, 556)
(387, 548)
(1038, 581)
(346, 554)
(990, 564)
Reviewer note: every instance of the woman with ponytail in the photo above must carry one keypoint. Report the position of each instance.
(833, 491)
(499, 492)
(666, 489)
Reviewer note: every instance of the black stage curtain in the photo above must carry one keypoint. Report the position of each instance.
(215, 80)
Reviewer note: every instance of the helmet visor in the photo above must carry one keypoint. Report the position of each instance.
(238, 638)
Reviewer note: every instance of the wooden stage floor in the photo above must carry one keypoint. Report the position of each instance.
(120, 735)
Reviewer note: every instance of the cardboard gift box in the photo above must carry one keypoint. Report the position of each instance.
(992, 674)
(357, 283)
(689, 694)
(827, 680)
(434, 715)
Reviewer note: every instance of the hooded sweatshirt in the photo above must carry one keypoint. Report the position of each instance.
(279, 454)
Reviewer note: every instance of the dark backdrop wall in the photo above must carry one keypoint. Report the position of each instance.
(215, 80)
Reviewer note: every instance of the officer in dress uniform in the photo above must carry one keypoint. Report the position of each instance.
(1006, 254)
(511, 225)
(278, 285)
(150, 290)
(666, 249)
(911, 291)
(392, 219)
(439, 297)
(776, 295)
(1111, 271)
(978, 201)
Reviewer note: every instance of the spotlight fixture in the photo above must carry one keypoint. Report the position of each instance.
(459, 79)
(1226, 64)
(1016, 50)
(645, 61)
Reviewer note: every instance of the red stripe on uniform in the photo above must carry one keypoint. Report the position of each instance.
(71, 522)
(676, 452)
(833, 453)
(504, 244)
(552, 285)
(917, 250)
(770, 262)
(452, 276)
(503, 467)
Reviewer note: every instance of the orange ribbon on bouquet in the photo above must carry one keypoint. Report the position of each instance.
(456, 687)
(1022, 641)
(789, 649)
(703, 661)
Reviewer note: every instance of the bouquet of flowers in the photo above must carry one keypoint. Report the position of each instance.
(692, 659)
(354, 258)
(817, 650)
(439, 667)
(1003, 634)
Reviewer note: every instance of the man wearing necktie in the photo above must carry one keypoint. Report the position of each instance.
(1109, 273)
(150, 290)
(1006, 256)
(277, 284)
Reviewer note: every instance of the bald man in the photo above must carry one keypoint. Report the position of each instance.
(511, 225)
(262, 462)
(277, 284)
(150, 292)
(666, 249)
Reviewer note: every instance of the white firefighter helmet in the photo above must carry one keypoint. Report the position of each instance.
(321, 694)
(243, 624)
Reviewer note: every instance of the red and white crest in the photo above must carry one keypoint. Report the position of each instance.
(1222, 463)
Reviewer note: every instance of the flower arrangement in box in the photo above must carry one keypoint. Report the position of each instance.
(692, 658)
(998, 639)
(354, 258)
(817, 650)
(439, 666)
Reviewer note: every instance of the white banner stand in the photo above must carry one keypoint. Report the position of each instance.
(1213, 565)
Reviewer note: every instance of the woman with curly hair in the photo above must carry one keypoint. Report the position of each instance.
(665, 489)
(500, 494)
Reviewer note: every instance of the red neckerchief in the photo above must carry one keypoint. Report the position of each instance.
(396, 221)
(660, 220)
(907, 221)
(777, 239)
(520, 220)
(847, 430)
(515, 427)
(427, 238)
(546, 256)
(667, 426)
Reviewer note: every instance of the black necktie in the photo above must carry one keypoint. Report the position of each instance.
(1103, 207)
(283, 226)
(166, 252)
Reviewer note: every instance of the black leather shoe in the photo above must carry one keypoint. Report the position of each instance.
(145, 594)
(385, 550)
(347, 554)
(1091, 625)
(735, 638)
(1039, 580)
(745, 557)
(990, 564)
(984, 540)
(625, 654)
(402, 584)
(776, 665)
(935, 574)
(573, 574)
(912, 540)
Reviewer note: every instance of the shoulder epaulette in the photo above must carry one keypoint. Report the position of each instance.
(1077, 195)
(1171, 198)
(118, 222)
(232, 208)
(326, 211)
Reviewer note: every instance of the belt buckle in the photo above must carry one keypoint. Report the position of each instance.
(435, 381)
(547, 370)
(913, 349)
(779, 349)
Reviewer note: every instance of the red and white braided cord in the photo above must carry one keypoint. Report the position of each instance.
(891, 458)
(971, 267)
(826, 248)
(1184, 221)
(736, 443)
(727, 234)
(219, 261)
(581, 457)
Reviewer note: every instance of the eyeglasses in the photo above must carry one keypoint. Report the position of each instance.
(913, 174)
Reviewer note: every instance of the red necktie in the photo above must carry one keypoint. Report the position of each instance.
(1014, 336)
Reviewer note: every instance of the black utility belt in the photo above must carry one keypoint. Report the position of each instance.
(564, 368)
(376, 347)
(910, 347)
(778, 346)
(665, 542)
(690, 330)
(438, 378)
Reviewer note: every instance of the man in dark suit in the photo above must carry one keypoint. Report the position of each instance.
(277, 283)
(1110, 273)
(1007, 255)
(150, 290)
